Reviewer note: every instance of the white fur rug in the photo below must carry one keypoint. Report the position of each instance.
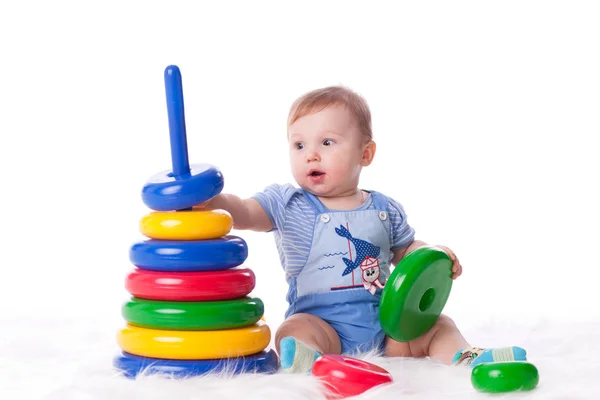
(71, 359)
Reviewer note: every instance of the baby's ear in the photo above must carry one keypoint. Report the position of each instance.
(368, 153)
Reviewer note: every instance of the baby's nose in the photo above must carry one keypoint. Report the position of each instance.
(313, 156)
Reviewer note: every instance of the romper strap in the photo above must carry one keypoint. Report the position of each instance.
(314, 202)
(380, 202)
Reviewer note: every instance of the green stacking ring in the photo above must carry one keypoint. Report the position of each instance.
(415, 293)
(196, 315)
(502, 377)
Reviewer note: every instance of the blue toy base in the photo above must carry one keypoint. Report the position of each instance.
(131, 365)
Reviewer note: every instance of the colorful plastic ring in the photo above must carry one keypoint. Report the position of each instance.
(193, 315)
(190, 286)
(165, 192)
(194, 345)
(202, 255)
(502, 377)
(346, 376)
(415, 293)
(131, 365)
(186, 225)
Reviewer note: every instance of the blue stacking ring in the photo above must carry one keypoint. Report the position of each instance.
(192, 255)
(132, 365)
(167, 192)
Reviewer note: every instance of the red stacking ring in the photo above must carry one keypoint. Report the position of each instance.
(346, 376)
(190, 286)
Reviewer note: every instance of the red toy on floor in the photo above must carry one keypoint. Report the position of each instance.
(346, 376)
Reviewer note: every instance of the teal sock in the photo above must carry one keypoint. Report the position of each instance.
(475, 355)
(296, 356)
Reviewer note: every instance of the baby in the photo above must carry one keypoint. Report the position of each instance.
(337, 242)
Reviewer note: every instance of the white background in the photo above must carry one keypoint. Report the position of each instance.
(484, 115)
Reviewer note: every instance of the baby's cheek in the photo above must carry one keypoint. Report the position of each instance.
(297, 171)
(339, 171)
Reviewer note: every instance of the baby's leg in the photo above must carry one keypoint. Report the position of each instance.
(302, 338)
(441, 342)
(445, 343)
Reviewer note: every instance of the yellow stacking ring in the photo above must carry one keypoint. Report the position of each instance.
(194, 345)
(186, 225)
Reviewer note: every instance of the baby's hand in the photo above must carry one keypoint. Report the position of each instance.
(456, 267)
(200, 207)
(206, 206)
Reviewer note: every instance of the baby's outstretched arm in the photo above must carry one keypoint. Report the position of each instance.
(400, 253)
(247, 214)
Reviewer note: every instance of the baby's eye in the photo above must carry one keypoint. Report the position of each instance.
(327, 142)
(299, 146)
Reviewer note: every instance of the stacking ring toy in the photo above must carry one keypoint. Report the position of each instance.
(194, 345)
(190, 286)
(502, 377)
(183, 187)
(132, 365)
(202, 255)
(201, 316)
(186, 225)
(166, 192)
(415, 293)
(346, 376)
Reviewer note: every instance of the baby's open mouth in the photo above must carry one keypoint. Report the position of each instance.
(316, 173)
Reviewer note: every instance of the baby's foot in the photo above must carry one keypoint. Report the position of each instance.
(296, 356)
(475, 355)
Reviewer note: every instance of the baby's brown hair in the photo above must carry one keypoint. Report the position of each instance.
(319, 99)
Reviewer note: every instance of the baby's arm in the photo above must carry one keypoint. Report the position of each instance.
(247, 214)
(400, 253)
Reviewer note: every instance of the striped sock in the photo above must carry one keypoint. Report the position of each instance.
(296, 356)
(475, 355)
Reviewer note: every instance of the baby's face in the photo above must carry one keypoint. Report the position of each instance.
(326, 149)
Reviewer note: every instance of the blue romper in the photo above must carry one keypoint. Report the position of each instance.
(347, 266)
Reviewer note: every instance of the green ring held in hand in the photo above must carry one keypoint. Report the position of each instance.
(199, 316)
(503, 377)
(415, 293)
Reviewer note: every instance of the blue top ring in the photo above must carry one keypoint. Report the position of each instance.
(167, 192)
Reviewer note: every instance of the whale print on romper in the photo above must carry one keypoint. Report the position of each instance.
(366, 258)
(330, 284)
(343, 241)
